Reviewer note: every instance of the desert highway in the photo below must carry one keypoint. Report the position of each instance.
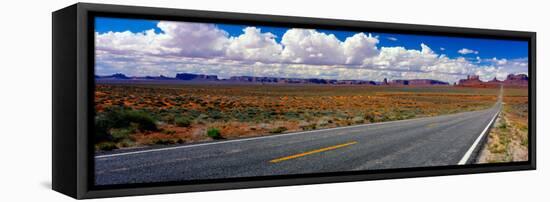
(433, 141)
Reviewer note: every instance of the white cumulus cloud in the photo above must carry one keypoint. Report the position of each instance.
(359, 47)
(304, 53)
(465, 51)
(312, 47)
(254, 45)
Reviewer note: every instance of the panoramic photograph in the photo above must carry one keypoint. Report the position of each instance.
(184, 101)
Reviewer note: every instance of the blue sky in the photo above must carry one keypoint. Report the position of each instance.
(487, 48)
(478, 52)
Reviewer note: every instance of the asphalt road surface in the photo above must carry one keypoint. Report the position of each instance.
(434, 141)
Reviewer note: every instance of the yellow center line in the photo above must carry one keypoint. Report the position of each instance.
(312, 152)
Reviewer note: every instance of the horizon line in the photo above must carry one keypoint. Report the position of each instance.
(221, 79)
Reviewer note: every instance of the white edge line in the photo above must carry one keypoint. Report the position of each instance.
(472, 148)
(254, 138)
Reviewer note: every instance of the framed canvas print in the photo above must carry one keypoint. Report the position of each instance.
(155, 100)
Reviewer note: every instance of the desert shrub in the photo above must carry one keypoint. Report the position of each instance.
(324, 121)
(241, 116)
(202, 117)
(292, 115)
(119, 134)
(168, 132)
(273, 112)
(252, 112)
(358, 120)
(370, 117)
(102, 130)
(407, 115)
(126, 143)
(119, 117)
(502, 126)
(214, 133)
(106, 146)
(117, 124)
(169, 118)
(144, 120)
(311, 126)
(164, 141)
(159, 104)
(278, 130)
(193, 113)
(182, 122)
(383, 118)
(214, 114)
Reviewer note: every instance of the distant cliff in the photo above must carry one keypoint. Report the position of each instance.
(187, 76)
(417, 82)
(298, 80)
(114, 76)
(276, 80)
(518, 80)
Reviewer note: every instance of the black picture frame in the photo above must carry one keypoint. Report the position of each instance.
(73, 106)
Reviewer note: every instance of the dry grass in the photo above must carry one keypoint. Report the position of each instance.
(508, 140)
(253, 110)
